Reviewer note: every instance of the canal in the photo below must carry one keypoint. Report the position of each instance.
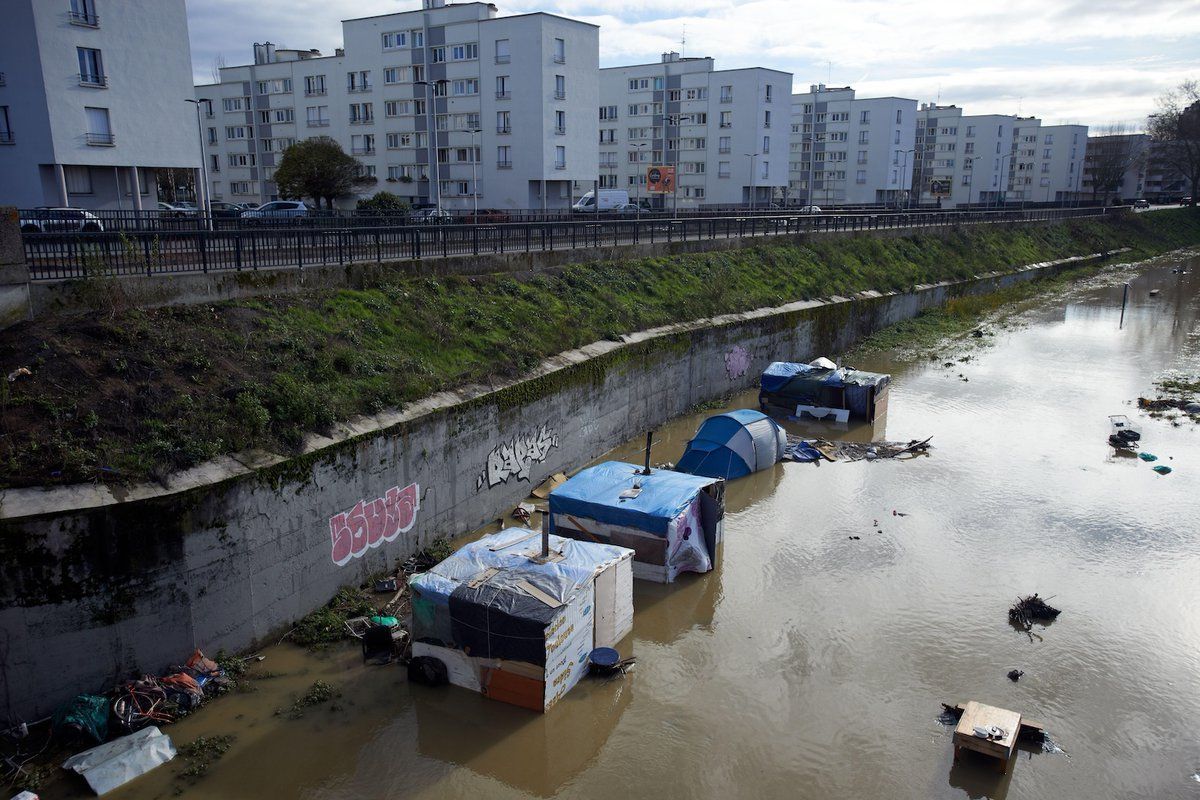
(812, 665)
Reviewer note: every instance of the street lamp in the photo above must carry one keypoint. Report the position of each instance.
(429, 101)
(637, 181)
(812, 161)
(675, 119)
(751, 156)
(903, 172)
(1003, 180)
(969, 169)
(205, 206)
(474, 179)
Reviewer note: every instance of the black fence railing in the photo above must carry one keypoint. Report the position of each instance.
(74, 255)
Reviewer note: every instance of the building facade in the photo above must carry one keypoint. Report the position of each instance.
(449, 104)
(851, 151)
(993, 159)
(724, 131)
(93, 101)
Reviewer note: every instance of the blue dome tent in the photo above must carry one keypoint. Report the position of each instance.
(734, 444)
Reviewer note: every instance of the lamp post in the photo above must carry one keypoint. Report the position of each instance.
(751, 156)
(637, 181)
(970, 162)
(474, 179)
(675, 119)
(205, 206)
(903, 172)
(812, 161)
(430, 118)
(1003, 179)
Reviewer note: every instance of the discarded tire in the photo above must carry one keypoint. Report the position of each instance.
(428, 671)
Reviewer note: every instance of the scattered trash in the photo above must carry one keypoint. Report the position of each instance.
(19, 372)
(1014, 675)
(607, 662)
(549, 485)
(802, 452)
(84, 716)
(385, 585)
(856, 451)
(1029, 609)
(1122, 434)
(853, 537)
(1147, 456)
(116, 763)
(896, 513)
(1162, 469)
(522, 513)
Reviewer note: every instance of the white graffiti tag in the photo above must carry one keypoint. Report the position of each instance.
(512, 459)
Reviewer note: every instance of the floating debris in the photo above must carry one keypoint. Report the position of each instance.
(801, 449)
(1014, 675)
(1029, 609)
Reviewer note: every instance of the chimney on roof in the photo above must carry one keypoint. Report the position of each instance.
(667, 58)
(339, 51)
(270, 52)
(428, 4)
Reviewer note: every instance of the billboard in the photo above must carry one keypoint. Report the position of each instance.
(941, 187)
(660, 180)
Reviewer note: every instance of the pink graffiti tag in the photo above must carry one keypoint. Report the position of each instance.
(372, 522)
(737, 361)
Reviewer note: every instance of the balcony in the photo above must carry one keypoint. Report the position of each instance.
(100, 139)
(362, 120)
(93, 81)
(362, 151)
(318, 123)
(314, 92)
(84, 18)
(6, 137)
(503, 165)
(503, 59)
(724, 151)
(504, 95)
(503, 130)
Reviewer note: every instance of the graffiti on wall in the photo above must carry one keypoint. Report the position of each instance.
(513, 459)
(737, 361)
(372, 522)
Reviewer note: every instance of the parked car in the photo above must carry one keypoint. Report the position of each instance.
(624, 210)
(488, 216)
(221, 208)
(277, 211)
(430, 216)
(1185, 201)
(60, 220)
(1141, 202)
(176, 209)
(809, 209)
(609, 198)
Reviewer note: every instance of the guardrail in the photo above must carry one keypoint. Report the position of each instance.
(74, 255)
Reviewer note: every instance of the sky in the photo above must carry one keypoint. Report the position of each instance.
(1096, 62)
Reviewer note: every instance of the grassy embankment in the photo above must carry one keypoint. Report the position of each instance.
(127, 395)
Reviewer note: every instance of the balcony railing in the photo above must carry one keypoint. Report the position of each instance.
(100, 139)
(560, 59)
(560, 165)
(503, 59)
(314, 92)
(361, 120)
(6, 137)
(503, 95)
(560, 95)
(503, 165)
(85, 18)
(96, 81)
(362, 151)
(359, 87)
(503, 130)
(318, 123)
(560, 131)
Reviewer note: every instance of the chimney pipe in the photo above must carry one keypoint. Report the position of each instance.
(649, 444)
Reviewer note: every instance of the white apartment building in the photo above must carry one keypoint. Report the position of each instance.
(851, 150)
(1115, 167)
(437, 104)
(725, 131)
(93, 101)
(992, 159)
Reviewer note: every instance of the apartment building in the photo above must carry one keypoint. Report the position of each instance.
(850, 150)
(1115, 166)
(448, 104)
(724, 131)
(93, 101)
(992, 159)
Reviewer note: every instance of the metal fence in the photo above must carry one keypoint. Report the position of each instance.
(74, 255)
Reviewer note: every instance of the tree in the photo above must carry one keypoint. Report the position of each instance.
(1175, 129)
(317, 168)
(1109, 156)
(383, 204)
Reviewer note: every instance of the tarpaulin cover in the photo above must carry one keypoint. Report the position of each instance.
(734, 444)
(116, 763)
(805, 384)
(84, 712)
(595, 493)
(498, 618)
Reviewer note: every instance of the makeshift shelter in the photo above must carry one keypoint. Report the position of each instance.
(671, 520)
(734, 444)
(817, 390)
(516, 627)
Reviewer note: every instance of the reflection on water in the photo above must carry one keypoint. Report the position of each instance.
(812, 665)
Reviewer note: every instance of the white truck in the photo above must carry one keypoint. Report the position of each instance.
(609, 199)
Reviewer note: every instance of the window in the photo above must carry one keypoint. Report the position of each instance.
(361, 113)
(639, 84)
(464, 52)
(969, 147)
(608, 112)
(899, 116)
(395, 141)
(83, 12)
(1049, 138)
(700, 118)
(502, 92)
(839, 116)
(318, 116)
(560, 122)
(358, 81)
(314, 85)
(503, 56)
(91, 68)
(766, 119)
(1046, 153)
(608, 135)
(98, 130)
(212, 135)
(724, 144)
(726, 119)
(1046, 167)
(214, 163)
(417, 38)
(276, 86)
(503, 157)
(235, 132)
(233, 104)
(394, 39)
(465, 87)
(419, 107)
(437, 54)
(362, 144)
(560, 155)
(897, 138)
(439, 88)
(860, 176)
(243, 187)
(503, 122)
(673, 95)
(391, 75)
(394, 108)
(560, 51)
(79, 179)
(864, 118)
(766, 148)
(284, 115)
(658, 84)
(560, 87)
(241, 159)
(722, 169)
(864, 137)
(966, 179)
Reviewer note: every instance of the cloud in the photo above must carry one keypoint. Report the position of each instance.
(1093, 61)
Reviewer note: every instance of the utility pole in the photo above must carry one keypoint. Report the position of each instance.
(474, 178)
(751, 156)
(433, 148)
(202, 195)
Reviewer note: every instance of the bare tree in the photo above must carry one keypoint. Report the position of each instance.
(1175, 129)
(1110, 155)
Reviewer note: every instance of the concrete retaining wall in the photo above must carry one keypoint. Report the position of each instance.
(98, 583)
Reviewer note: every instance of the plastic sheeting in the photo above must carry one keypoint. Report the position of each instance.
(734, 444)
(116, 763)
(786, 385)
(595, 493)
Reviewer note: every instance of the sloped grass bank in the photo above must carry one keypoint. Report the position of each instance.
(136, 394)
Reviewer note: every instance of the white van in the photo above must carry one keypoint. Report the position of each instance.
(609, 199)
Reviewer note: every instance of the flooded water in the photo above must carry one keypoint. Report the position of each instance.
(810, 665)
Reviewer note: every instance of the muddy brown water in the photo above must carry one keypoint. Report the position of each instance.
(810, 665)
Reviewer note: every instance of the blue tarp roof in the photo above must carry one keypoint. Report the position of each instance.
(780, 373)
(595, 494)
